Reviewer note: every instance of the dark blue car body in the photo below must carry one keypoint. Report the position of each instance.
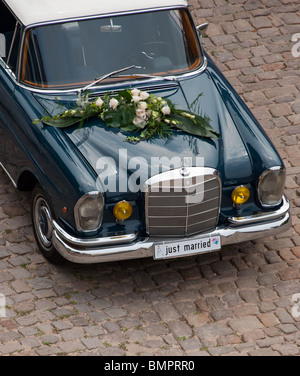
(63, 162)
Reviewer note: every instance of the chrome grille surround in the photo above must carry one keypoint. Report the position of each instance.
(178, 205)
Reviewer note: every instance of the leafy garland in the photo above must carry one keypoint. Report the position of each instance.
(134, 111)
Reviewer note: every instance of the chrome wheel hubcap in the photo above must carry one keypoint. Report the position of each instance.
(43, 222)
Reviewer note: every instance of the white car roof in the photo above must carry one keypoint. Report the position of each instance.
(37, 11)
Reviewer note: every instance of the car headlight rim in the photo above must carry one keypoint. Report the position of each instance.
(88, 212)
(270, 195)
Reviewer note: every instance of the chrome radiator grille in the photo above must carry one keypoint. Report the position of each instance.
(183, 206)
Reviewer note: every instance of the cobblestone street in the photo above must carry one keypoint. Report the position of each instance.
(239, 301)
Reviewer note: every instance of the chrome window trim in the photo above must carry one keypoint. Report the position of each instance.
(185, 75)
(141, 82)
(104, 15)
(8, 69)
(13, 41)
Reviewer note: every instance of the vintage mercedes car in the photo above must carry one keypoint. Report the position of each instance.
(101, 191)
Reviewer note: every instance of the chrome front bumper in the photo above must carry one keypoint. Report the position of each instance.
(240, 229)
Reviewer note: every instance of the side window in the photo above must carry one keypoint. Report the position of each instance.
(32, 69)
(10, 32)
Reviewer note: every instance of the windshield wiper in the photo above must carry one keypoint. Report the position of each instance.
(104, 77)
(166, 78)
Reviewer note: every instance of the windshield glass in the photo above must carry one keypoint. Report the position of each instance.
(73, 54)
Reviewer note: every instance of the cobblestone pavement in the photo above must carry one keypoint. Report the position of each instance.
(235, 302)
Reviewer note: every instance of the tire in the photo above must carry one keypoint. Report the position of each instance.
(42, 223)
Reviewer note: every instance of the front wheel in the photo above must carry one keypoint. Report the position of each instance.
(43, 225)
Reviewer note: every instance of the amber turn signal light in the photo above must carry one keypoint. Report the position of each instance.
(240, 195)
(123, 211)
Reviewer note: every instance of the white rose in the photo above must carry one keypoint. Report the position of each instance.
(166, 110)
(99, 102)
(140, 123)
(113, 103)
(144, 95)
(135, 92)
(136, 98)
(142, 106)
(141, 114)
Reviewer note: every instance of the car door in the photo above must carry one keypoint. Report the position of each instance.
(6, 93)
(10, 32)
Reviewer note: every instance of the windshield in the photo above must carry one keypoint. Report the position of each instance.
(73, 54)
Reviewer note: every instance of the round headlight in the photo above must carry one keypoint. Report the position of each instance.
(123, 210)
(240, 195)
(271, 186)
(89, 212)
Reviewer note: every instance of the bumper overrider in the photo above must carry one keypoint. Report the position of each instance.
(116, 248)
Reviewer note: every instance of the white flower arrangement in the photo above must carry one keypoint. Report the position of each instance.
(134, 111)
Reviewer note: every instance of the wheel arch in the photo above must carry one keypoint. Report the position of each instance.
(27, 180)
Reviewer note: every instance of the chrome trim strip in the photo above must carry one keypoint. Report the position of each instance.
(8, 70)
(175, 174)
(90, 243)
(202, 202)
(189, 225)
(12, 41)
(105, 15)
(141, 82)
(92, 256)
(8, 174)
(261, 216)
(180, 196)
(180, 206)
(181, 216)
(195, 172)
(145, 248)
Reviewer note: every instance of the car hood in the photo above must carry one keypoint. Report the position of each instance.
(105, 149)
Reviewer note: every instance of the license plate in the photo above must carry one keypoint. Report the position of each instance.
(187, 247)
